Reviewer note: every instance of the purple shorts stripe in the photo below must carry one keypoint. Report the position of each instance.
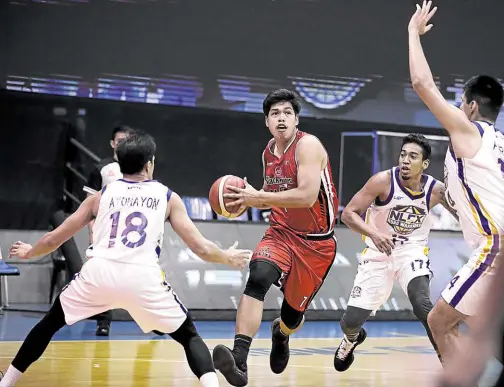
(466, 286)
(494, 251)
(477, 272)
(180, 304)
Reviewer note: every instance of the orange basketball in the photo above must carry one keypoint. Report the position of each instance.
(217, 200)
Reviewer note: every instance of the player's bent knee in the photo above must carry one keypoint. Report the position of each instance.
(54, 320)
(419, 296)
(185, 333)
(263, 274)
(292, 319)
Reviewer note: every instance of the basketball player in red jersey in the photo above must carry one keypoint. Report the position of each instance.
(298, 248)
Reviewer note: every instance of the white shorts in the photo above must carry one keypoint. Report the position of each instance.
(143, 291)
(377, 272)
(467, 290)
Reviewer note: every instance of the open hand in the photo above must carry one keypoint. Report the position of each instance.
(20, 250)
(383, 242)
(418, 23)
(238, 258)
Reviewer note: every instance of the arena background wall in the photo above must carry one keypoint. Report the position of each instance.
(212, 291)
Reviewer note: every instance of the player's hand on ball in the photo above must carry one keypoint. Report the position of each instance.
(418, 23)
(247, 196)
(383, 242)
(238, 258)
(20, 250)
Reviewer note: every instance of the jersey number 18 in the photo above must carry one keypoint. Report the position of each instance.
(130, 227)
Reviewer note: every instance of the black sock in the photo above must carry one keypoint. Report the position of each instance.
(241, 347)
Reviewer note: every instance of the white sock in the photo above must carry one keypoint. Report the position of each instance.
(208, 380)
(11, 377)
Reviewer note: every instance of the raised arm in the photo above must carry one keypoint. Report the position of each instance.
(54, 239)
(377, 186)
(464, 135)
(184, 227)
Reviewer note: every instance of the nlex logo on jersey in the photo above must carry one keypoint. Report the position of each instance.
(406, 219)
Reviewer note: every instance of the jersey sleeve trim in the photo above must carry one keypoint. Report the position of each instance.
(480, 128)
(429, 193)
(169, 195)
(452, 153)
(378, 202)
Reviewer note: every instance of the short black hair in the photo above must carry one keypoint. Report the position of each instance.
(121, 129)
(281, 95)
(487, 92)
(420, 140)
(135, 151)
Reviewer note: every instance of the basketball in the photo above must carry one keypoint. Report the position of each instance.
(217, 200)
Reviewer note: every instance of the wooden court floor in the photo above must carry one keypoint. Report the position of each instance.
(388, 358)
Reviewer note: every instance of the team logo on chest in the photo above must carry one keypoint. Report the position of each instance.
(278, 177)
(406, 219)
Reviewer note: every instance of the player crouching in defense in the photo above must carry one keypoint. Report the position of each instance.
(396, 229)
(130, 216)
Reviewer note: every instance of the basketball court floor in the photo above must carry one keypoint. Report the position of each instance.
(395, 354)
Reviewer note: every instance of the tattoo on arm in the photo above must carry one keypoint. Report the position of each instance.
(444, 203)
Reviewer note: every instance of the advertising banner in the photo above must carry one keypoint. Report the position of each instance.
(205, 286)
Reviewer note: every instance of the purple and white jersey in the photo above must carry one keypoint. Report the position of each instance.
(475, 189)
(129, 226)
(404, 213)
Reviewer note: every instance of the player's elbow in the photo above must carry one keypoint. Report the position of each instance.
(422, 83)
(347, 216)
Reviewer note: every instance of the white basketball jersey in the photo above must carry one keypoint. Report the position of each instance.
(475, 189)
(404, 213)
(110, 172)
(129, 226)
